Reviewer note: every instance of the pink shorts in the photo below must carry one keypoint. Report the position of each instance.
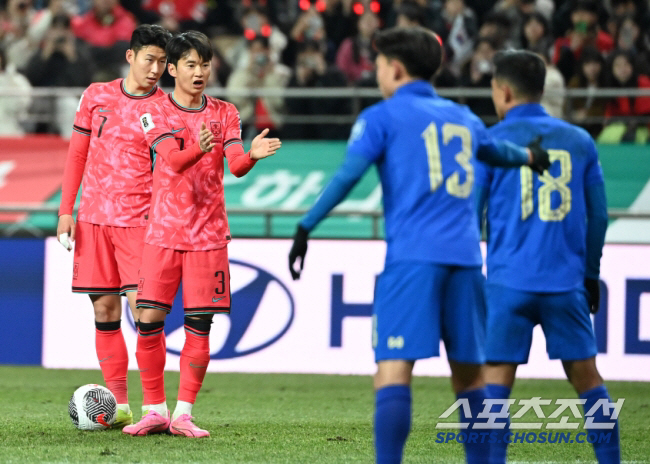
(205, 274)
(106, 258)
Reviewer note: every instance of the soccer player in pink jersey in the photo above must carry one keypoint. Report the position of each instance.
(108, 152)
(187, 234)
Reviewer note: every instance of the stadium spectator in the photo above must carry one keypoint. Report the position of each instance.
(178, 15)
(477, 74)
(110, 156)
(187, 234)
(496, 27)
(313, 71)
(221, 70)
(621, 123)
(457, 27)
(536, 33)
(518, 10)
(431, 287)
(526, 286)
(340, 22)
(62, 61)
(107, 29)
(554, 87)
(262, 72)
(411, 14)
(12, 107)
(628, 37)
(355, 57)
(584, 31)
(588, 111)
(255, 22)
(14, 32)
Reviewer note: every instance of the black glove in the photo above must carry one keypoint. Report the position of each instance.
(540, 156)
(298, 250)
(593, 289)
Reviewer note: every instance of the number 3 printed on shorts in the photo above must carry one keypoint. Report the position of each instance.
(221, 285)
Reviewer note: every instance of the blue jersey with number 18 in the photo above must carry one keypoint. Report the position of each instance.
(424, 146)
(537, 224)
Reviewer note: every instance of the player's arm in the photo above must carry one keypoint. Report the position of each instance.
(506, 154)
(73, 172)
(365, 146)
(240, 162)
(597, 219)
(162, 141)
(482, 179)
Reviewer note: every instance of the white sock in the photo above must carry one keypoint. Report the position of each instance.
(182, 407)
(124, 408)
(159, 408)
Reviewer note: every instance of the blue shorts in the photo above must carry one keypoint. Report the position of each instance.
(419, 303)
(512, 314)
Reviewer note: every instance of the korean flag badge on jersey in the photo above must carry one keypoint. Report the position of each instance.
(146, 122)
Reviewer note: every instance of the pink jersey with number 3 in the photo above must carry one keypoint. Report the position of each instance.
(188, 209)
(117, 181)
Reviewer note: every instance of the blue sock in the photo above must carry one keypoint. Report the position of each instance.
(477, 448)
(392, 422)
(609, 451)
(498, 450)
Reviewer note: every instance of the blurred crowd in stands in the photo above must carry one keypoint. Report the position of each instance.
(275, 44)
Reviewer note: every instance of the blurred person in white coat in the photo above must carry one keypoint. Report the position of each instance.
(12, 107)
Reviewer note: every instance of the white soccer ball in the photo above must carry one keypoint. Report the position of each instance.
(92, 407)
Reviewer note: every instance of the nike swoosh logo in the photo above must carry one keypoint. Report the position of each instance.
(214, 300)
(197, 366)
(105, 359)
(177, 130)
(102, 110)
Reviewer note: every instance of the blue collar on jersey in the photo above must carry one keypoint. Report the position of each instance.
(526, 110)
(418, 87)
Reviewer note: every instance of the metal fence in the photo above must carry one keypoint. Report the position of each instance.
(358, 99)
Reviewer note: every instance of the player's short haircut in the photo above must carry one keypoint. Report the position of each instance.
(182, 44)
(149, 34)
(417, 48)
(523, 70)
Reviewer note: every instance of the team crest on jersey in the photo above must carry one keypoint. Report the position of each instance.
(357, 130)
(146, 122)
(215, 127)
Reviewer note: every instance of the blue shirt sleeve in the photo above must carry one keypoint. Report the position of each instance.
(366, 145)
(596, 227)
(497, 152)
(368, 135)
(345, 178)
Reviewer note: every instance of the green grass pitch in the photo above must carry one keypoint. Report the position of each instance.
(264, 418)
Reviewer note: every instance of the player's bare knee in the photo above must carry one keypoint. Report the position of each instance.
(583, 375)
(107, 308)
(393, 373)
(500, 374)
(466, 376)
(149, 315)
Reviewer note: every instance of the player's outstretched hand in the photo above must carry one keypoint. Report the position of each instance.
(593, 289)
(298, 250)
(261, 147)
(65, 231)
(206, 139)
(540, 161)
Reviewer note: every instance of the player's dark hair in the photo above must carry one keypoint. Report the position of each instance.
(523, 70)
(149, 34)
(417, 48)
(182, 44)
